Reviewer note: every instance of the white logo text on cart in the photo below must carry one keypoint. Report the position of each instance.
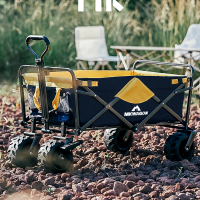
(136, 111)
(98, 5)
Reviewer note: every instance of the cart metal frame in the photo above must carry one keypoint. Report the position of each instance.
(156, 53)
(43, 71)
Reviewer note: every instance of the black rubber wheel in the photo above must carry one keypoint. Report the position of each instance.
(174, 148)
(52, 159)
(113, 139)
(18, 152)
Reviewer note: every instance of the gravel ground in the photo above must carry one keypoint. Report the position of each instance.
(142, 173)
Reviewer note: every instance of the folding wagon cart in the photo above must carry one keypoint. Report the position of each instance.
(119, 101)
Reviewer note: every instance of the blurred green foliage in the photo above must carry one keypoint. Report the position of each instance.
(142, 23)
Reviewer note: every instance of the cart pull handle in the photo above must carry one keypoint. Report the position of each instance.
(38, 37)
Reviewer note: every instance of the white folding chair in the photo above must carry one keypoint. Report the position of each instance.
(191, 41)
(91, 47)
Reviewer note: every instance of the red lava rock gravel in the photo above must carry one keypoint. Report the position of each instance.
(140, 174)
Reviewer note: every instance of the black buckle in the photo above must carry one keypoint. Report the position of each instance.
(180, 80)
(89, 83)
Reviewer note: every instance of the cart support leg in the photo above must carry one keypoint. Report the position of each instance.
(63, 129)
(127, 134)
(35, 143)
(22, 95)
(190, 140)
(33, 125)
(188, 105)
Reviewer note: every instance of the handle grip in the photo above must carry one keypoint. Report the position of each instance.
(38, 37)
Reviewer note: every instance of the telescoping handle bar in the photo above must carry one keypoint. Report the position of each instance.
(39, 62)
(38, 37)
(164, 63)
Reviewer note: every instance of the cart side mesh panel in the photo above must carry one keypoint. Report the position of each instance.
(63, 105)
(30, 93)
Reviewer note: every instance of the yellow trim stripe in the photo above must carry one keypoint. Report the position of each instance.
(176, 81)
(87, 84)
(64, 80)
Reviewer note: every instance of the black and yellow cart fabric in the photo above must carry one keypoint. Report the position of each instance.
(118, 101)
